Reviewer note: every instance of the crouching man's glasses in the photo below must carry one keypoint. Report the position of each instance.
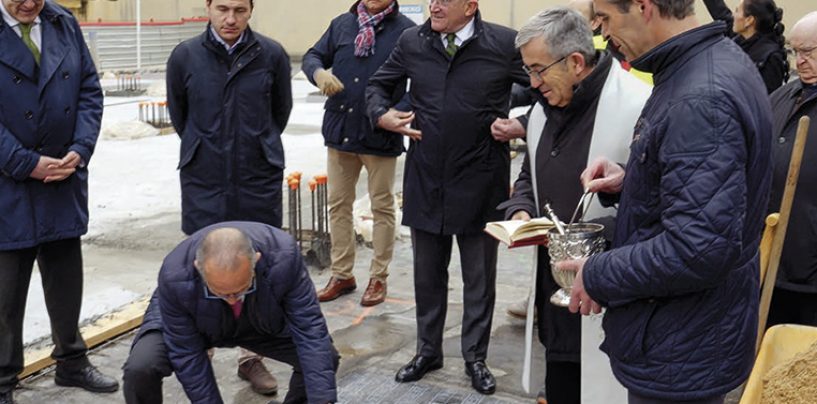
(209, 294)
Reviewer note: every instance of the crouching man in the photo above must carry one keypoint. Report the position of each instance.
(232, 284)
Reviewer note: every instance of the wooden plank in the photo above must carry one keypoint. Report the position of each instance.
(105, 328)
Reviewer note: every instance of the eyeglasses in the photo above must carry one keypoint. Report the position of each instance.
(208, 294)
(806, 53)
(539, 73)
(441, 3)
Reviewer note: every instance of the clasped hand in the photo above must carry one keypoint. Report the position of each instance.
(50, 169)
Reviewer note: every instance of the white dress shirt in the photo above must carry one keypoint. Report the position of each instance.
(219, 39)
(36, 30)
(462, 35)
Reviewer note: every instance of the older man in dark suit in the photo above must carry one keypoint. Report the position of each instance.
(461, 70)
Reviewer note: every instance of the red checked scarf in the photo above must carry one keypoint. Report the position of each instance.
(364, 42)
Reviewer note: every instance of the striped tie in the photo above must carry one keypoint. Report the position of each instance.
(452, 47)
(25, 31)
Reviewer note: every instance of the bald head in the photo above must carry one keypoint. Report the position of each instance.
(807, 24)
(225, 250)
(584, 7)
(803, 40)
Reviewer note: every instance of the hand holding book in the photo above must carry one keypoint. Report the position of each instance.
(519, 232)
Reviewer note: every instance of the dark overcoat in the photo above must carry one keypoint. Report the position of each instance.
(798, 263)
(457, 174)
(229, 111)
(46, 111)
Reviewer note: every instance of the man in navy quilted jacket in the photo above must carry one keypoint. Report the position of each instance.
(232, 284)
(680, 285)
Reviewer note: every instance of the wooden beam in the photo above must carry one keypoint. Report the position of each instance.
(107, 327)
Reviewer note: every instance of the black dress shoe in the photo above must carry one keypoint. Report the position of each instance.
(417, 368)
(481, 378)
(85, 376)
(6, 398)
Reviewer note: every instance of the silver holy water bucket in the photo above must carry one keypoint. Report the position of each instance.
(580, 240)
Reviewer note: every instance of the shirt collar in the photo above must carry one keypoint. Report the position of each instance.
(464, 33)
(230, 49)
(11, 22)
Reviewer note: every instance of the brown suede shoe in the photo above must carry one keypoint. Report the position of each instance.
(261, 380)
(337, 288)
(375, 293)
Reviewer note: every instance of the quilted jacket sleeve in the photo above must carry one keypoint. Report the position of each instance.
(701, 162)
(310, 333)
(186, 348)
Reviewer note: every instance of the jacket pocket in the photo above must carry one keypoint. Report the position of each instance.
(273, 149)
(333, 126)
(190, 144)
(625, 330)
(378, 139)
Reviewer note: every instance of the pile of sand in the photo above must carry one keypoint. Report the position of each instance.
(794, 381)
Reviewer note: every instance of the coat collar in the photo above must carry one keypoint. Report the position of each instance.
(241, 57)
(668, 57)
(353, 10)
(14, 53)
(55, 48)
(587, 90)
(50, 12)
(210, 43)
(426, 31)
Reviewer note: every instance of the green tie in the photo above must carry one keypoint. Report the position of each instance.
(25, 31)
(452, 47)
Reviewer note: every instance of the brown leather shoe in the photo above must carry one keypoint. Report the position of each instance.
(261, 380)
(375, 293)
(337, 288)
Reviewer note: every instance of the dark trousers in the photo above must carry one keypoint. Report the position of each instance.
(432, 253)
(60, 264)
(636, 399)
(790, 307)
(148, 364)
(563, 382)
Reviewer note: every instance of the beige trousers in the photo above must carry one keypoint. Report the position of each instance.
(344, 170)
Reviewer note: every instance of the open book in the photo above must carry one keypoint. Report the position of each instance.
(518, 233)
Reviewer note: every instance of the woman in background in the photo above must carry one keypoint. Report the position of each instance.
(756, 26)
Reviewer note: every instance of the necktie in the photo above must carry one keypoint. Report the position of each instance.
(25, 31)
(452, 47)
(237, 306)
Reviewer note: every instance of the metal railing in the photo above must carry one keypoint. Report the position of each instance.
(113, 46)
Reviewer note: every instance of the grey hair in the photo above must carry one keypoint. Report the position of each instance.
(222, 247)
(678, 9)
(564, 30)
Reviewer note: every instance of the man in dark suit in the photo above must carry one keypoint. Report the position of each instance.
(232, 284)
(461, 70)
(50, 112)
